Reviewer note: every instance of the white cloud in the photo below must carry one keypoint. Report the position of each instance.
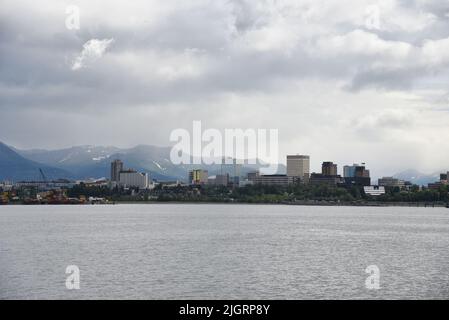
(92, 50)
(364, 43)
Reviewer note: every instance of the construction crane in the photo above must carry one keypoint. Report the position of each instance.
(44, 178)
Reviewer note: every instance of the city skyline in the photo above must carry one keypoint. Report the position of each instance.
(315, 165)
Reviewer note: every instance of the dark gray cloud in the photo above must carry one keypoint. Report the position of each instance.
(222, 62)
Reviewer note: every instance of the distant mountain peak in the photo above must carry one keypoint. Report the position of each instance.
(94, 161)
(417, 177)
(15, 167)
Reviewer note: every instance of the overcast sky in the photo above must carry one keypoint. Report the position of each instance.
(346, 81)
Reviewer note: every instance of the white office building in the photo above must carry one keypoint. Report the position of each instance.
(134, 179)
(374, 190)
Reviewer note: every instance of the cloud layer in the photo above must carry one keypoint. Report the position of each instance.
(341, 80)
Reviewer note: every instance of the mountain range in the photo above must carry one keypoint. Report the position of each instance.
(417, 177)
(83, 162)
(14, 167)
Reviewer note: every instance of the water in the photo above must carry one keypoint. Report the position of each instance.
(187, 251)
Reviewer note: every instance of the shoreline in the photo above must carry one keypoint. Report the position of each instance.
(310, 203)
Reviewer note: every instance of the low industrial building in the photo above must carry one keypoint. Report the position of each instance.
(219, 180)
(46, 185)
(275, 180)
(319, 178)
(391, 182)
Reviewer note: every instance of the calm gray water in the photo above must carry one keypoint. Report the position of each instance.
(177, 251)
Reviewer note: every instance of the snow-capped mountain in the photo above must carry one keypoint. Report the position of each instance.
(94, 161)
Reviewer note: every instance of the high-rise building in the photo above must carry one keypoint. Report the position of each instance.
(357, 174)
(349, 171)
(298, 166)
(361, 171)
(328, 175)
(355, 170)
(198, 176)
(116, 168)
(329, 169)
